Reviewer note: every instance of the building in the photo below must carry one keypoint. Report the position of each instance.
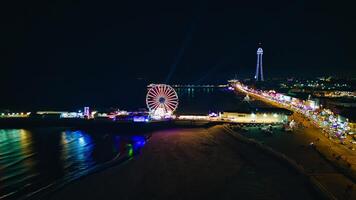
(87, 114)
(263, 117)
(349, 115)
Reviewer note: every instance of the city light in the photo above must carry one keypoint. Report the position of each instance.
(87, 112)
(324, 118)
(15, 115)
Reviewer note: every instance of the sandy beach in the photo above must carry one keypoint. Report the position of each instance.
(192, 164)
(340, 156)
(296, 146)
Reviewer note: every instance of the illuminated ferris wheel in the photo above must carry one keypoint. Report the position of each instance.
(161, 100)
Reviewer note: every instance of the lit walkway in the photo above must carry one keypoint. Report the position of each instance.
(339, 154)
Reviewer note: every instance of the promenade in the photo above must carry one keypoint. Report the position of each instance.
(339, 155)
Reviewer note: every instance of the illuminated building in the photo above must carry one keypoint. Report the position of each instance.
(71, 115)
(259, 70)
(352, 125)
(140, 118)
(193, 117)
(15, 115)
(325, 119)
(254, 117)
(87, 112)
(313, 104)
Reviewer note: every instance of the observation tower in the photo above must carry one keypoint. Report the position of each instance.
(259, 69)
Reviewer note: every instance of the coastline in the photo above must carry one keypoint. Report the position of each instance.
(294, 151)
(337, 154)
(46, 191)
(176, 164)
(312, 179)
(123, 127)
(330, 184)
(342, 157)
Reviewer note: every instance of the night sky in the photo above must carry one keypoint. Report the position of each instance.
(68, 53)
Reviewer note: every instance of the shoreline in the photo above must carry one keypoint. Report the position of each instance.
(45, 192)
(293, 149)
(53, 189)
(344, 159)
(56, 185)
(320, 189)
(179, 163)
(123, 127)
(336, 155)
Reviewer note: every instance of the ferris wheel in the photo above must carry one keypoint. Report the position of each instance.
(161, 100)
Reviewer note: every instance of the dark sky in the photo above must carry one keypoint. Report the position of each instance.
(64, 53)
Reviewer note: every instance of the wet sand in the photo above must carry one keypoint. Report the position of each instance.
(192, 164)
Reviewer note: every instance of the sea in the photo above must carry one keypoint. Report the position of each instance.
(33, 160)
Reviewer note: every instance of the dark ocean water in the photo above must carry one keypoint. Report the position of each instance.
(34, 159)
(206, 100)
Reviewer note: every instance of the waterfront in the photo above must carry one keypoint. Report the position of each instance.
(41, 157)
(37, 158)
(193, 164)
(340, 182)
(296, 146)
(177, 100)
(31, 160)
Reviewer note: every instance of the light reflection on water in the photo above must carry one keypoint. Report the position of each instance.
(32, 159)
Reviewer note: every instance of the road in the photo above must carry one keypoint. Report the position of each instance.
(338, 180)
(296, 146)
(348, 155)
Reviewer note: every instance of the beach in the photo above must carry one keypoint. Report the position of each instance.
(192, 164)
(340, 156)
(296, 147)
